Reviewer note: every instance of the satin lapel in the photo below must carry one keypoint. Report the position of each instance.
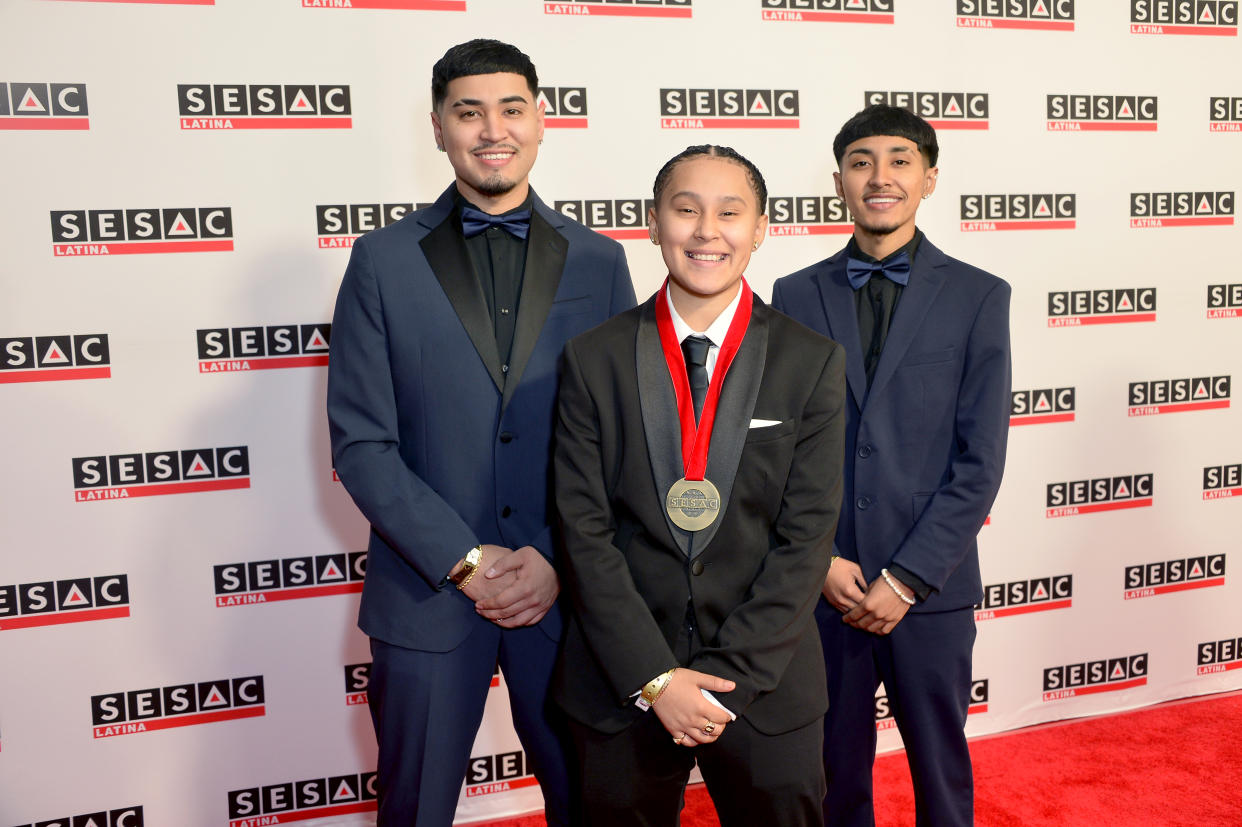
(733, 415)
(838, 299)
(545, 260)
(926, 279)
(446, 253)
(659, 408)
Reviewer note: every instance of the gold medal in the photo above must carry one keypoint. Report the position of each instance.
(692, 504)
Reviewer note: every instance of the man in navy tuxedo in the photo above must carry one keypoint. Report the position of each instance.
(927, 365)
(441, 397)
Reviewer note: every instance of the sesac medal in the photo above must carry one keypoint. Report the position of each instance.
(692, 502)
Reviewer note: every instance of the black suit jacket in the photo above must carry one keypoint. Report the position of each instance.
(753, 577)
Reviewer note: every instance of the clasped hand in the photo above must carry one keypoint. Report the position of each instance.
(684, 711)
(513, 588)
(872, 608)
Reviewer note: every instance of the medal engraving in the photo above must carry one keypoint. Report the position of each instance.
(692, 505)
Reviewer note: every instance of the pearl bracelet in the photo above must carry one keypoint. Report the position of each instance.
(888, 578)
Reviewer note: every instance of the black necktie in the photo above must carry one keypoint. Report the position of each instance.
(695, 349)
(475, 221)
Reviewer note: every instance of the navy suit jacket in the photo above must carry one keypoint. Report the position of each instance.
(440, 446)
(925, 445)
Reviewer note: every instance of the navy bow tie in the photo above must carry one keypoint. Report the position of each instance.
(897, 269)
(475, 221)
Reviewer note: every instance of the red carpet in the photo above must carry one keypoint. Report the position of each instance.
(1174, 765)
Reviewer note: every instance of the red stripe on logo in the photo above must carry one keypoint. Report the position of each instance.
(79, 616)
(257, 711)
(155, 489)
(1037, 419)
(54, 374)
(45, 123)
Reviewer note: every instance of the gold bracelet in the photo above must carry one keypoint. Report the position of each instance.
(467, 580)
(656, 686)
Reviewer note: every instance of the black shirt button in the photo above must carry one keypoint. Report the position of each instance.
(696, 568)
(506, 511)
(863, 503)
(506, 437)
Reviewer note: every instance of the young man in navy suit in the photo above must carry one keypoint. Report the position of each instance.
(441, 398)
(927, 340)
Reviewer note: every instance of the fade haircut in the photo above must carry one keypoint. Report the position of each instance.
(480, 57)
(712, 151)
(879, 119)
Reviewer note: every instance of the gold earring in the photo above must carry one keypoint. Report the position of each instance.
(754, 246)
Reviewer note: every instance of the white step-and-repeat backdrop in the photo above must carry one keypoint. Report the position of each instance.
(182, 182)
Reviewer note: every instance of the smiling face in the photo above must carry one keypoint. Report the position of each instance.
(882, 180)
(490, 126)
(707, 222)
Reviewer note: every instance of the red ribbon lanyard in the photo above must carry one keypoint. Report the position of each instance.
(695, 440)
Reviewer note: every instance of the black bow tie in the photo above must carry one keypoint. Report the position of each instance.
(897, 269)
(475, 221)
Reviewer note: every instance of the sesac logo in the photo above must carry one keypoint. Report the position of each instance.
(622, 8)
(999, 211)
(257, 106)
(943, 110)
(53, 602)
(729, 108)
(809, 215)
(357, 680)
(120, 476)
(1069, 499)
(224, 349)
(187, 704)
(1041, 594)
(884, 712)
(1221, 481)
(1225, 114)
(828, 11)
(43, 106)
(1072, 308)
(1114, 113)
(1181, 209)
(1224, 301)
(1210, 17)
(122, 817)
(1219, 656)
(289, 578)
(619, 218)
(302, 800)
(488, 774)
(1052, 15)
(1092, 677)
(54, 358)
(115, 232)
(339, 225)
(1174, 576)
(1042, 406)
(564, 106)
(1166, 396)
(402, 5)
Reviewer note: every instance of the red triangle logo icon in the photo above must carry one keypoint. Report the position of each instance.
(1125, 111)
(1201, 391)
(300, 103)
(1116, 673)
(1123, 490)
(1040, 593)
(954, 108)
(344, 792)
(758, 106)
(75, 598)
(180, 226)
(317, 342)
(1125, 303)
(1040, 10)
(1042, 404)
(331, 572)
(1204, 206)
(1196, 570)
(1206, 17)
(215, 698)
(55, 356)
(30, 103)
(1043, 209)
(198, 468)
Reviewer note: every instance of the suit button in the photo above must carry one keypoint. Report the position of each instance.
(506, 511)
(863, 503)
(506, 437)
(864, 451)
(696, 568)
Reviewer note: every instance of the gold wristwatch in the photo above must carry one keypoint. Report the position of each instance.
(470, 565)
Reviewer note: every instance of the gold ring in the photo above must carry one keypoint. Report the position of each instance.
(677, 740)
(708, 728)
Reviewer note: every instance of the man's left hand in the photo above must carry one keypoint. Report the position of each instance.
(533, 591)
(880, 610)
